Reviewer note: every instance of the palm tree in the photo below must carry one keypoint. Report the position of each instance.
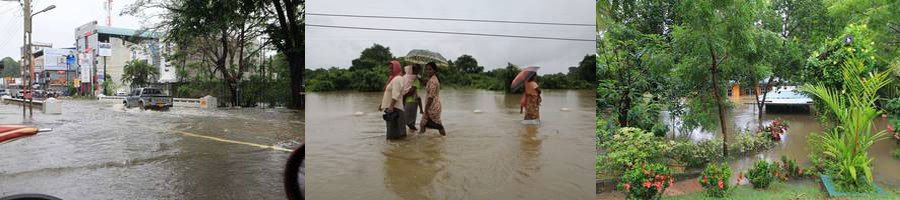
(138, 73)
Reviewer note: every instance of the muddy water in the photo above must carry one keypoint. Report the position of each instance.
(487, 155)
(794, 144)
(100, 150)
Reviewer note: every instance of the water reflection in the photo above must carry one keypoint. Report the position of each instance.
(486, 155)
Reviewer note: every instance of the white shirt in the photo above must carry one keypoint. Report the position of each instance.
(393, 92)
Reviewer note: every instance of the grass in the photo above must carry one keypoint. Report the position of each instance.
(780, 190)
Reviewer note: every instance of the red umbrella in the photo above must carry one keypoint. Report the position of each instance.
(524, 75)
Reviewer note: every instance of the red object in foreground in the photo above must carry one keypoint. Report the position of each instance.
(10, 132)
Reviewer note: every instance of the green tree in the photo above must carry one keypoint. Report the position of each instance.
(10, 68)
(138, 73)
(712, 33)
(587, 69)
(372, 57)
(468, 64)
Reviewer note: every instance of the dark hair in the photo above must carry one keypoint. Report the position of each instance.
(417, 68)
(432, 66)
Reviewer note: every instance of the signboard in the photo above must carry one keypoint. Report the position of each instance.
(70, 60)
(86, 65)
(54, 59)
(104, 49)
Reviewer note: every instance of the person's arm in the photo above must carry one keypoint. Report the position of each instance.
(395, 94)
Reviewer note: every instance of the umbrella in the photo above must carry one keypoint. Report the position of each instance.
(524, 75)
(420, 56)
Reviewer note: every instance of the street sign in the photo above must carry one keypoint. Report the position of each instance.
(104, 49)
(70, 60)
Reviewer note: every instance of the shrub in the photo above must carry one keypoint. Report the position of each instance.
(776, 129)
(647, 181)
(714, 179)
(629, 147)
(789, 168)
(761, 174)
(748, 143)
(896, 153)
(694, 155)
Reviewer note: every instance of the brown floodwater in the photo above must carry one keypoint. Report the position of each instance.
(485, 155)
(743, 117)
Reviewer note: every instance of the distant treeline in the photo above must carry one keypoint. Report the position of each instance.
(369, 72)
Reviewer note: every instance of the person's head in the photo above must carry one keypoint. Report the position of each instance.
(396, 68)
(533, 78)
(431, 69)
(417, 69)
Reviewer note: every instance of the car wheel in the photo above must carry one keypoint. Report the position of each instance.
(141, 105)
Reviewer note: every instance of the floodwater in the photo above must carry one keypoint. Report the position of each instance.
(100, 150)
(487, 155)
(794, 144)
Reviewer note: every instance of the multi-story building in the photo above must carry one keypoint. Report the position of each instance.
(104, 50)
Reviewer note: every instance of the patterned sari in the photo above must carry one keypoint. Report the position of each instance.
(432, 90)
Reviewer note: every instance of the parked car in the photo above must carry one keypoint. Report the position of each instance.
(121, 93)
(148, 98)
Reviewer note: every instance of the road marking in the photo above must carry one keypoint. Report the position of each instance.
(273, 147)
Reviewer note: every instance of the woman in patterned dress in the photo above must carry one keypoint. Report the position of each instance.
(531, 100)
(432, 117)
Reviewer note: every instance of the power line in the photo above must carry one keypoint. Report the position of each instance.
(454, 33)
(450, 19)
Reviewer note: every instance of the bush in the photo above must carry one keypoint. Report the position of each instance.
(629, 147)
(776, 129)
(694, 155)
(748, 143)
(896, 153)
(761, 174)
(789, 169)
(648, 181)
(714, 180)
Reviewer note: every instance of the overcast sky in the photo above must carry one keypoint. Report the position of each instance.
(56, 26)
(327, 47)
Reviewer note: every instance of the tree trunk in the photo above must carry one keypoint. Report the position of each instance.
(295, 60)
(761, 103)
(715, 81)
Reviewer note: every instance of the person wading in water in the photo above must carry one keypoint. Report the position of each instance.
(432, 117)
(411, 99)
(531, 100)
(391, 103)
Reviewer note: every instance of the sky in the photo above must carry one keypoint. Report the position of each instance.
(56, 26)
(332, 47)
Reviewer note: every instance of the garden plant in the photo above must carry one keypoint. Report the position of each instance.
(648, 181)
(714, 179)
(762, 174)
(853, 108)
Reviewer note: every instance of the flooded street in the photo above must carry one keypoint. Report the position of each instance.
(794, 143)
(100, 150)
(485, 155)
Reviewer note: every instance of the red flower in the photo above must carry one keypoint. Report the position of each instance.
(721, 185)
(658, 184)
(647, 172)
(740, 177)
(659, 177)
(627, 187)
(896, 136)
(704, 179)
(647, 184)
(777, 174)
(671, 181)
(891, 128)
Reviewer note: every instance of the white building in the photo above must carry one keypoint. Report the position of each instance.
(108, 49)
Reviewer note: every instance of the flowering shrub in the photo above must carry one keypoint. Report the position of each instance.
(761, 174)
(629, 147)
(714, 179)
(776, 129)
(647, 181)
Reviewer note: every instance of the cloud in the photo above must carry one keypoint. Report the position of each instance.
(327, 47)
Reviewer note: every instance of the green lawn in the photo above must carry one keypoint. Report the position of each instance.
(781, 191)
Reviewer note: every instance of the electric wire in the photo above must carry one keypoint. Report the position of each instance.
(451, 19)
(452, 33)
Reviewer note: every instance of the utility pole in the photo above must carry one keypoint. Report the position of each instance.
(27, 13)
